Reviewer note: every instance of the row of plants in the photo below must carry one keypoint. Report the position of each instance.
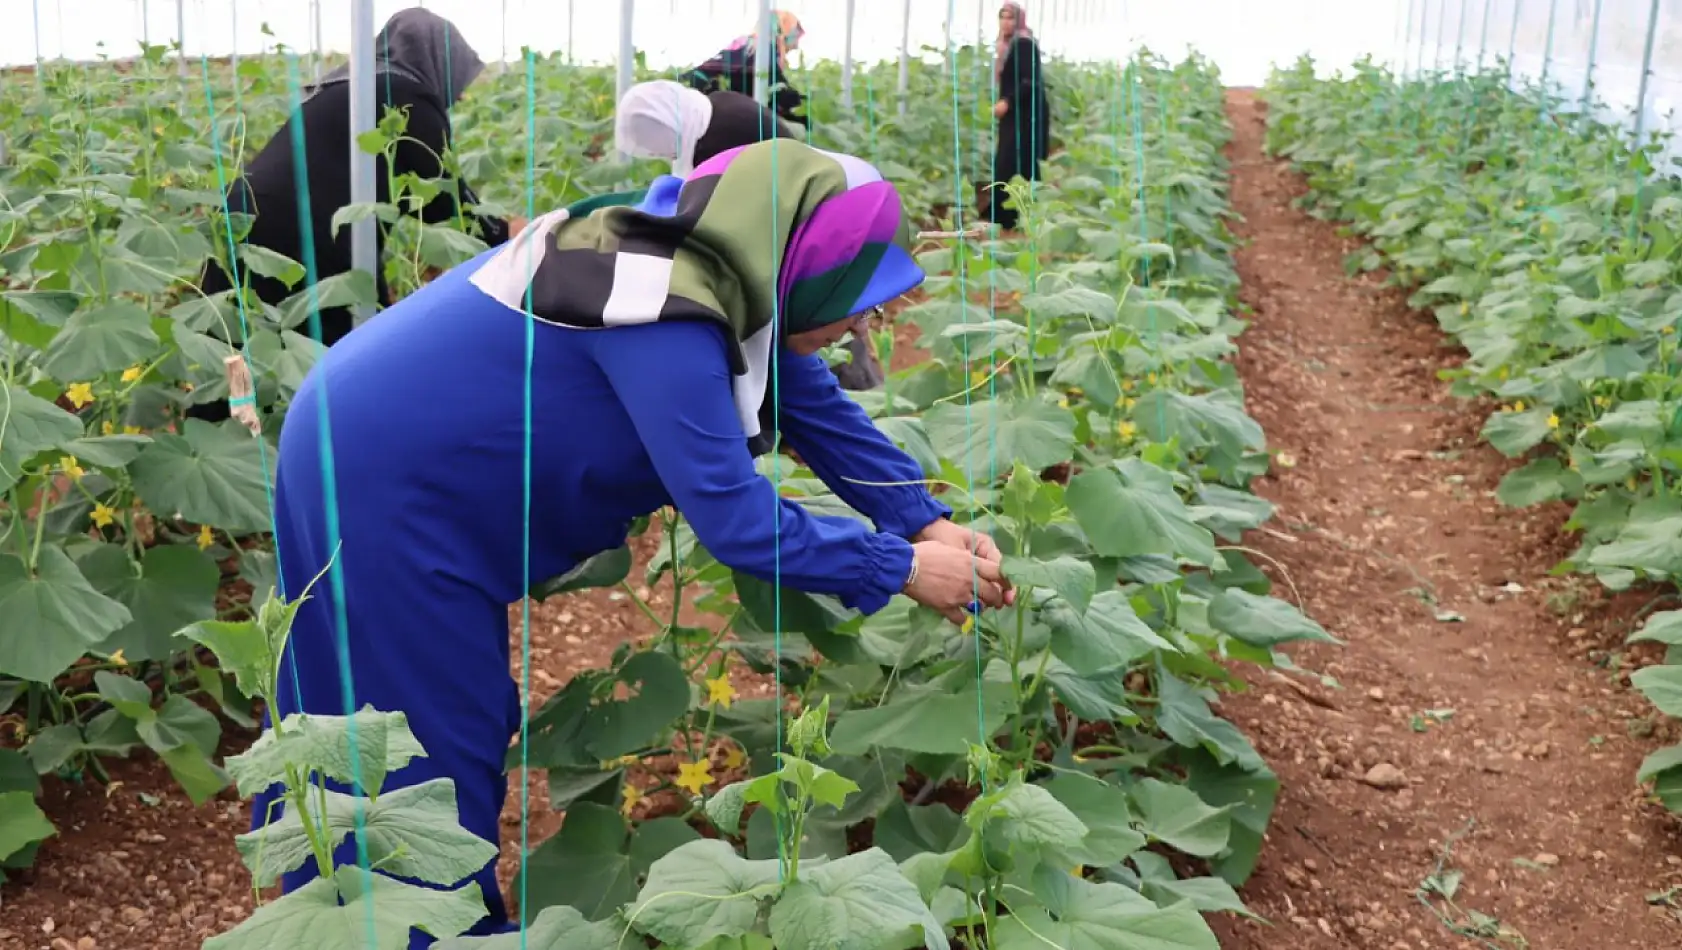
(120, 520)
(1546, 242)
(1051, 774)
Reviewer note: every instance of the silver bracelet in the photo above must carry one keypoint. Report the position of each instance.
(911, 578)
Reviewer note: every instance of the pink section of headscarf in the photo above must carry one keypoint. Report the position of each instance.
(1002, 48)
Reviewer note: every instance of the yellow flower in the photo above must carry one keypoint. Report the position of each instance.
(977, 377)
(1464, 308)
(103, 515)
(1129, 403)
(1126, 430)
(1150, 379)
(1603, 401)
(106, 427)
(1501, 373)
(969, 625)
(79, 394)
(71, 467)
(1553, 421)
(205, 537)
(694, 776)
(1075, 391)
(1127, 385)
(131, 430)
(1631, 483)
(1063, 402)
(734, 757)
(632, 796)
(119, 659)
(720, 691)
(131, 374)
(1518, 406)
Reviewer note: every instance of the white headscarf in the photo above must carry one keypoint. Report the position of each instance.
(663, 119)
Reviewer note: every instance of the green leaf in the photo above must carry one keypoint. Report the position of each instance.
(412, 832)
(1071, 578)
(933, 722)
(1173, 814)
(595, 862)
(1664, 769)
(1515, 433)
(1109, 636)
(1104, 917)
(333, 914)
(57, 616)
(174, 587)
(242, 650)
(354, 288)
(990, 433)
(384, 744)
(724, 809)
(1262, 621)
(1030, 816)
(105, 339)
(1104, 810)
(859, 902)
(443, 247)
(22, 823)
(554, 928)
(905, 831)
(212, 475)
(1129, 510)
(660, 695)
(701, 891)
(1664, 627)
(1210, 895)
(1251, 794)
(29, 425)
(108, 451)
(1540, 480)
(268, 263)
(1662, 685)
(602, 570)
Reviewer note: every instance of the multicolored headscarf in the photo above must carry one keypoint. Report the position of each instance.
(767, 240)
(1001, 49)
(789, 32)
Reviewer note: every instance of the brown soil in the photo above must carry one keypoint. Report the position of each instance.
(1388, 534)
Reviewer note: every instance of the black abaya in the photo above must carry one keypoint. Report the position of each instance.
(1024, 131)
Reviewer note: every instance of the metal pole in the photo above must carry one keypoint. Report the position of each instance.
(1407, 41)
(1646, 73)
(1442, 20)
(320, 50)
(570, 10)
(1424, 21)
(1483, 34)
(233, 21)
(364, 253)
(504, 35)
(764, 48)
(145, 23)
(1588, 73)
(180, 35)
(36, 20)
(1548, 53)
(627, 52)
(1512, 42)
(847, 61)
(1460, 37)
(905, 59)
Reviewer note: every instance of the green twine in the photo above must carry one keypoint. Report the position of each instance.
(335, 568)
(525, 488)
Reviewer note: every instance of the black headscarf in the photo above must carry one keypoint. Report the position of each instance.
(738, 120)
(425, 49)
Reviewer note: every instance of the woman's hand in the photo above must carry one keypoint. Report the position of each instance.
(1000, 108)
(956, 535)
(949, 579)
(515, 226)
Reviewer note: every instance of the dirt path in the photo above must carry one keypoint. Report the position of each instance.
(1463, 669)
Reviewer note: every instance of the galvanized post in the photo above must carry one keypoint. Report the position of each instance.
(1442, 20)
(847, 61)
(364, 252)
(1548, 53)
(1483, 34)
(180, 35)
(905, 59)
(1460, 37)
(233, 27)
(627, 52)
(1407, 41)
(1646, 73)
(764, 53)
(1588, 72)
(1424, 21)
(145, 23)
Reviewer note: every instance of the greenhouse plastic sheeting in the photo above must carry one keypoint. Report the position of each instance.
(1562, 42)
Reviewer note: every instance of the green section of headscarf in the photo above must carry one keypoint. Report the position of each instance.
(729, 260)
(583, 206)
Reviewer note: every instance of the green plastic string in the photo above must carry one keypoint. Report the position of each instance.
(335, 567)
(525, 488)
(245, 335)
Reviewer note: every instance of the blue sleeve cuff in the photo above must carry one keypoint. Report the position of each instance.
(905, 522)
(887, 564)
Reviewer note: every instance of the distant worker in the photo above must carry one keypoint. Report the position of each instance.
(735, 66)
(1023, 112)
(422, 65)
